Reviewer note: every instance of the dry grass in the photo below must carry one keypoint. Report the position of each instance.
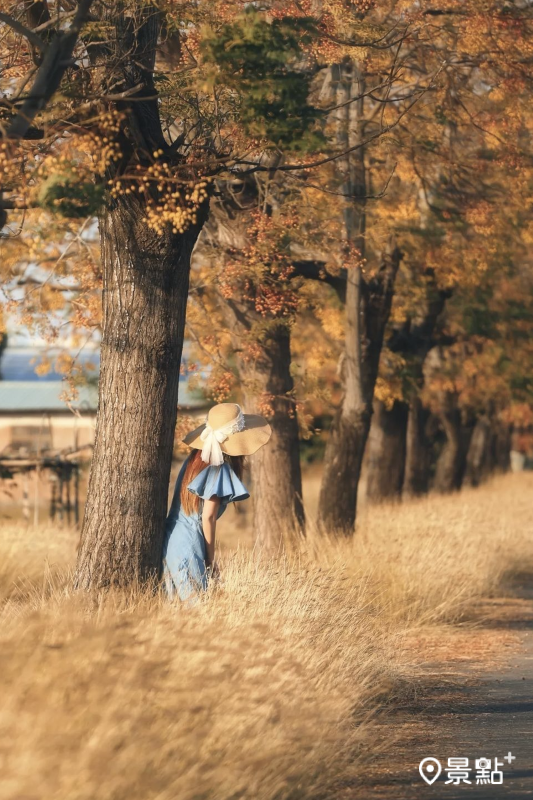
(264, 690)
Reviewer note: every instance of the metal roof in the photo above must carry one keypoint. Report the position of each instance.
(19, 363)
(28, 396)
(44, 396)
(22, 389)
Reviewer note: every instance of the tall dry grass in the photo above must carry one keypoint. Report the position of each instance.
(265, 689)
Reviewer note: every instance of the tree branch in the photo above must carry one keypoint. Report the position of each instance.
(17, 26)
(55, 62)
(316, 271)
(256, 167)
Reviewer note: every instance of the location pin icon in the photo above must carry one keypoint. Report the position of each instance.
(430, 769)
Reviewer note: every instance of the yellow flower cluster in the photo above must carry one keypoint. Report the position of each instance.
(220, 385)
(178, 209)
(265, 404)
(176, 203)
(86, 154)
(10, 165)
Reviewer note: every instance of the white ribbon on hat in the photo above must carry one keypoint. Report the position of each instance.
(213, 437)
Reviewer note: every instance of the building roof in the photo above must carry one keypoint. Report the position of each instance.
(27, 396)
(19, 363)
(22, 389)
(20, 396)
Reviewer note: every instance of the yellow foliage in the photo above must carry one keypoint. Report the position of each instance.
(43, 367)
(388, 390)
(332, 321)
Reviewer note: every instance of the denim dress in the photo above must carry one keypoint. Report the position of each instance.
(184, 548)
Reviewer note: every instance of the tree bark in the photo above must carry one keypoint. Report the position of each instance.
(451, 465)
(418, 450)
(146, 278)
(502, 434)
(478, 463)
(490, 450)
(386, 451)
(278, 512)
(54, 64)
(351, 424)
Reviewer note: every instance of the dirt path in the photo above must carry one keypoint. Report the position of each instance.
(467, 712)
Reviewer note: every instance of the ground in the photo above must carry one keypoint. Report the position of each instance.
(327, 673)
(474, 706)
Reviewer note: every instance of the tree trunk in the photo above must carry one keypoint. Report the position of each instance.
(490, 450)
(451, 465)
(368, 303)
(478, 462)
(501, 447)
(414, 339)
(351, 424)
(386, 451)
(418, 451)
(278, 510)
(146, 278)
(266, 380)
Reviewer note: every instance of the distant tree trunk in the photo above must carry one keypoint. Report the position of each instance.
(490, 450)
(146, 278)
(367, 310)
(418, 450)
(500, 447)
(266, 382)
(478, 463)
(414, 339)
(386, 451)
(368, 303)
(451, 465)
(278, 510)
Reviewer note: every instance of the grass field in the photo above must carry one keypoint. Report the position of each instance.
(268, 688)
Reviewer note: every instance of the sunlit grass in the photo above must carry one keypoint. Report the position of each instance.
(266, 688)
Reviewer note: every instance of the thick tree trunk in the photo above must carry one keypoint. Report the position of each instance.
(451, 465)
(386, 451)
(146, 278)
(418, 450)
(278, 511)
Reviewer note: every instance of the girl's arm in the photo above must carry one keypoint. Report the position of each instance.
(209, 524)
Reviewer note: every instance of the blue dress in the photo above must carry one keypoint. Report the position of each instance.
(184, 548)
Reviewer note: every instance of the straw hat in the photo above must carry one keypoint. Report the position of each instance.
(227, 430)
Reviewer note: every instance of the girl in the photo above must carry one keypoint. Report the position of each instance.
(209, 479)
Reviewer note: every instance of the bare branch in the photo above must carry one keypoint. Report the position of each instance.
(55, 62)
(15, 205)
(348, 195)
(17, 26)
(256, 167)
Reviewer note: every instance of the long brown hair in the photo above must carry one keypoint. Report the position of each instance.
(190, 502)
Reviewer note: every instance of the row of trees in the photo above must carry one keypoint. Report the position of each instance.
(355, 178)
